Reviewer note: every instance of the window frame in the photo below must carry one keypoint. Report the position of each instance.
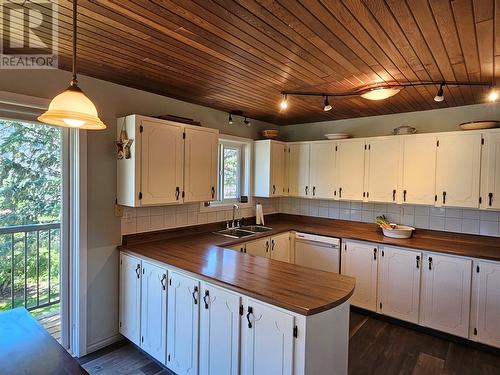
(227, 144)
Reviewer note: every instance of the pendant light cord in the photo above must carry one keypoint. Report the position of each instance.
(74, 81)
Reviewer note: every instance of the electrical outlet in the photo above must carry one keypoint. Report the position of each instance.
(118, 210)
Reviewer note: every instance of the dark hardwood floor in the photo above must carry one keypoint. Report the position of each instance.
(377, 346)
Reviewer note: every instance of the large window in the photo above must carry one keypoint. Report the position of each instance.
(231, 167)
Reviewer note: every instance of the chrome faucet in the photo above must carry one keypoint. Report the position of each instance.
(235, 207)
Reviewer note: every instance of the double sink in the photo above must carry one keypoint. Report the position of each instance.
(243, 231)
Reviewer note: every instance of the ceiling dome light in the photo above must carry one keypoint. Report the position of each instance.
(284, 102)
(493, 95)
(327, 107)
(440, 94)
(72, 108)
(380, 93)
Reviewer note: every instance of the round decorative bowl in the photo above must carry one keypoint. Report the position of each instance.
(398, 231)
(337, 136)
(475, 125)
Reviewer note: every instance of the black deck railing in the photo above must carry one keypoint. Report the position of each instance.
(30, 266)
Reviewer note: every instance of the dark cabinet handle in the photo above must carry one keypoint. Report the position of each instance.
(138, 271)
(205, 297)
(177, 193)
(340, 192)
(163, 281)
(307, 188)
(375, 254)
(249, 312)
(213, 192)
(267, 246)
(404, 195)
(195, 292)
(444, 197)
(394, 195)
(314, 190)
(418, 261)
(490, 199)
(241, 249)
(430, 263)
(274, 189)
(272, 245)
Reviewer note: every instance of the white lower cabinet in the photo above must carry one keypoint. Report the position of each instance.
(485, 310)
(267, 342)
(399, 283)
(446, 287)
(219, 331)
(154, 311)
(359, 260)
(130, 298)
(275, 247)
(259, 247)
(280, 247)
(182, 324)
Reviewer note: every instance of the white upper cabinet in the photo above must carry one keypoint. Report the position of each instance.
(269, 169)
(219, 331)
(419, 169)
(383, 169)
(280, 247)
(350, 169)
(359, 260)
(130, 298)
(183, 324)
(164, 168)
(200, 159)
(154, 311)
(298, 174)
(485, 307)
(322, 169)
(490, 171)
(446, 289)
(458, 169)
(267, 344)
(399, 283)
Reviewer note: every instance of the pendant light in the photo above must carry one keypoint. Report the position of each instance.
(440, 94)
(72, 108)
(284, 102)
(327, 107)
(230, 121)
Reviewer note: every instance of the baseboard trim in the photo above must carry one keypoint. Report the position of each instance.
(103, 343)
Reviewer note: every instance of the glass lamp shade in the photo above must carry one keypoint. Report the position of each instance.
(380, 93)
(72, 109)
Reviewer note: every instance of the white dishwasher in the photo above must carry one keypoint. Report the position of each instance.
(319, 252)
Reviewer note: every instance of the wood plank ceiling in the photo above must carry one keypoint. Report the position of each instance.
(239, 55)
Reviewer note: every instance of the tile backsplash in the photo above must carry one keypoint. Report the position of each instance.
(472, 221)
(146, 219)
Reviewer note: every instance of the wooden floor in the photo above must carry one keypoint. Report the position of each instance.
(52, 323)
(376, 347)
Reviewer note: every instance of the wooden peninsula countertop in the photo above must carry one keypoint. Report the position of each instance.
(198, 251)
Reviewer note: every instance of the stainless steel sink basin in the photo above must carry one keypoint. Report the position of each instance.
(256, 228)
(235, 232)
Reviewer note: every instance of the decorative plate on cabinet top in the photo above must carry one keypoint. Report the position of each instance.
(337, 136)
(270, 133)
(475, 125)
(404, 129)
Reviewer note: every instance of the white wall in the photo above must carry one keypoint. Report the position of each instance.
(434, 120)
(112, 101)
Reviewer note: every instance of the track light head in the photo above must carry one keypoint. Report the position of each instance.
(284, 102)
(493, 95)
(246, 122)
(440, 94)
(230, 121)
(327, 107)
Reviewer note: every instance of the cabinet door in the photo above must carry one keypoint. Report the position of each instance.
(182, 324)
(162, 163)
(399, 283)
(154, 311)
(383, 168)
(490, 171)
(259, 247)
(280, 247)
(298, 174)
(277, 169)
(322, 169)
(457, 171)
(446, 293)
(419, 169)
(350, 169)
(130, 297)
(219, 331)
(486, 303)
(286, 172)
(267, 340)
(200, 176)
(359, 260)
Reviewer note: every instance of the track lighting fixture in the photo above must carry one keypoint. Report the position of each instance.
(493, 95)
(327, 105)
(230, 121)
(440, 94)
(246, 122)
(284, 102)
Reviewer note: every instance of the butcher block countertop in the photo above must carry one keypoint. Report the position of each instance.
(197, 250)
